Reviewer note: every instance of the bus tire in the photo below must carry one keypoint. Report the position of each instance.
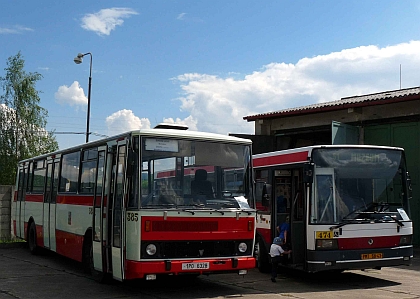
(261, 255)
(33, 246)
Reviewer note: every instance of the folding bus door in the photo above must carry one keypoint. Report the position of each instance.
(118, 211)
(49, 206)
(19, 216)
(100, 213)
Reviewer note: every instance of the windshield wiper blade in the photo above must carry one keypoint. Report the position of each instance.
(397, 220)
(340, 224)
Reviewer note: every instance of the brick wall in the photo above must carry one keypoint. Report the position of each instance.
(5, 212)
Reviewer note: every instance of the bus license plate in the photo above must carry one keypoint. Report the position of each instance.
(324, 234)
(195, 266)
(371, 256)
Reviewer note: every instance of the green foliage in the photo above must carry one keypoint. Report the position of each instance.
(22, 120)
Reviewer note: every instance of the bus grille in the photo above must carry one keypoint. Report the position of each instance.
(181, 226)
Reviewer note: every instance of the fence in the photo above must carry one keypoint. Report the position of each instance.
(5, 212)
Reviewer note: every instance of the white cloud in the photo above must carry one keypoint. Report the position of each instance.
(125, 120)
(15, 29)
(189, 121)
(106, 20)
(219, 104)
(73, 95)
(181, 16)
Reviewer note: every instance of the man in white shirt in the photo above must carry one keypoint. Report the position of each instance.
(278, 255)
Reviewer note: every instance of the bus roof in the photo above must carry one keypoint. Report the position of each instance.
(303, 154)
(171, 133)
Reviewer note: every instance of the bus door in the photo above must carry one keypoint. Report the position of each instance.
(297, 219)
(282, 192)
(49, 211)
(118, 211)
(19, 216)
(100, 241)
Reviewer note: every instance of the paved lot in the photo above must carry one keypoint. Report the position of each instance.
(51, 276)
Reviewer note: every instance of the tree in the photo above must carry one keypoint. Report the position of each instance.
(22, 120)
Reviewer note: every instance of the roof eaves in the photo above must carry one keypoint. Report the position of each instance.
(349, 102)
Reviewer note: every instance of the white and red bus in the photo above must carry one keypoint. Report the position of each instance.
(102, 204)
(347, 206)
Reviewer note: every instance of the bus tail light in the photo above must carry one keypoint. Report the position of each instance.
(405, 240)
(326, 244)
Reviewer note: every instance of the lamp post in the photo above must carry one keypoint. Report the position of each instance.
(78, 60)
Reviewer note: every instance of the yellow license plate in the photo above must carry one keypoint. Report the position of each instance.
(324, 234)
(371, 256)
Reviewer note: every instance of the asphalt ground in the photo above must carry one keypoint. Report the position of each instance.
(49, 275)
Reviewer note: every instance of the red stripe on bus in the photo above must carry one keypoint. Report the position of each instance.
(368, 242)
(280, 159)
(80, 200)
(34, 197)
(69, 244)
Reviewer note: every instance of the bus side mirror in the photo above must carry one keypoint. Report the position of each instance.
(308, 173)
(409, 186)
(266, 194)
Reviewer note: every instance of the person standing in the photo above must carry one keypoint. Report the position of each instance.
(278, 255)
(284, 232)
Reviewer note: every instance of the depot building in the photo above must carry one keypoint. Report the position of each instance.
(390, 118)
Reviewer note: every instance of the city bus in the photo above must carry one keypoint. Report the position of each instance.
(103, 204)
(346, 207)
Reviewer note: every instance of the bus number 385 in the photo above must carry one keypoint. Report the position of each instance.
(132, 217)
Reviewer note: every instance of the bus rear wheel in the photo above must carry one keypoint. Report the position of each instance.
(33, 247)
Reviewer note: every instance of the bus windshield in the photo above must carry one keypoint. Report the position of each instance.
(192, 174)
(362, 185)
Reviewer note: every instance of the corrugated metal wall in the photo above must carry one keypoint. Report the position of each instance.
(407, 136)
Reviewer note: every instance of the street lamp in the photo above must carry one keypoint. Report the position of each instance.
(78, 60)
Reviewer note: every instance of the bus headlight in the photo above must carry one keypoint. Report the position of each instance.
(242, 247)
(405, 240)
(326, 244)
(151, 249)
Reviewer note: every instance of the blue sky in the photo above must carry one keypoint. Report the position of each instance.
(206, 64)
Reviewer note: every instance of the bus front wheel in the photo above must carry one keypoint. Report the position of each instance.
(261, 255)
(88, 264)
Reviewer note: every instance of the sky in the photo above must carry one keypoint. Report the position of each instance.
(205, 64)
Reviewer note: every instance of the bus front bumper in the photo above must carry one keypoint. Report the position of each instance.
(141, 269)
(358, 259)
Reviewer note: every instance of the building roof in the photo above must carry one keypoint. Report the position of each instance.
(381, 98)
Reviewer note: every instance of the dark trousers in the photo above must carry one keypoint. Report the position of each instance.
(275, 261)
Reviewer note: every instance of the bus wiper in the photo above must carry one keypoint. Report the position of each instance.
(344, 222)
(396, 220)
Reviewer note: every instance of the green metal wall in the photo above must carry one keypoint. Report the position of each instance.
(407, 136)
